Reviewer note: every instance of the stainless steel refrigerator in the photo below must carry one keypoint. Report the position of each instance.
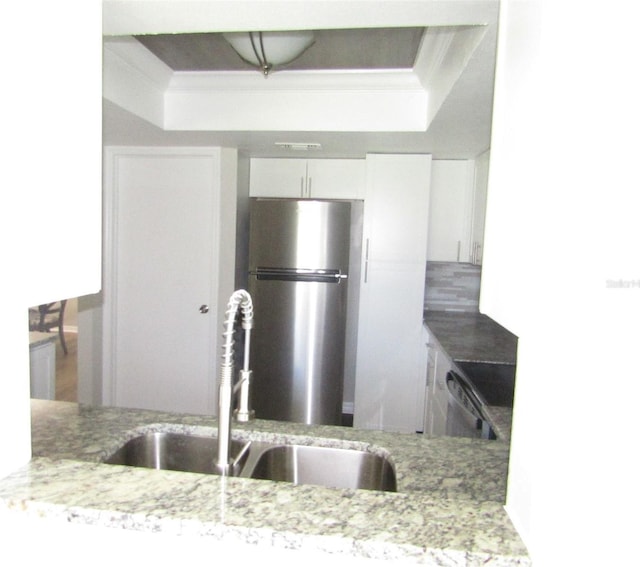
(299, 253)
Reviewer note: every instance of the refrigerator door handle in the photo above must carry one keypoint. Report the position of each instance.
(299, 275)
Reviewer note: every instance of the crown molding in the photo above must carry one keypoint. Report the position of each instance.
(391, 100)
(131, 52)
(134, 78)
(442, 58)
(380, 80)
(343, 101)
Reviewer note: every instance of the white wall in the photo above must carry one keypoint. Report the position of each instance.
(561, 225)
(51, 149)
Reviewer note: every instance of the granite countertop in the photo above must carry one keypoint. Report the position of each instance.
(472, 337)
(37, 338)
(469, 336)
(448, 509)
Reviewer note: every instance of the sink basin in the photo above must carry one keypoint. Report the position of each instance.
(298, 464)
(336, 468)
(175, 451)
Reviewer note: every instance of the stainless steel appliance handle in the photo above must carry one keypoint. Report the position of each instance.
(476, 409)
(299, 275)
(476, 403)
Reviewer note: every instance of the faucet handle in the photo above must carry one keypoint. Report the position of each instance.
(243, 413)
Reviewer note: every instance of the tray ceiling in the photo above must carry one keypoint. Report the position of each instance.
(344, 49)
(366, 43)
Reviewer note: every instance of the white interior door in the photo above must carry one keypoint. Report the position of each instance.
(162, 270)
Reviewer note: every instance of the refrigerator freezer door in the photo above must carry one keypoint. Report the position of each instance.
(300, 234)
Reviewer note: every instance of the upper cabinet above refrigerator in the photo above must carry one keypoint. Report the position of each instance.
(307, 178)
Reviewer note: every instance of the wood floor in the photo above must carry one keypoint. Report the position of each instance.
(67, 369)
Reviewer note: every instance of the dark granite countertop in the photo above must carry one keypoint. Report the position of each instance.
(469, 336)
(472, 337)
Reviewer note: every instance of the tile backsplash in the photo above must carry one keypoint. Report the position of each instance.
(452, 286)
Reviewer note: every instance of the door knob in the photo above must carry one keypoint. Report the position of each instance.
(204, 309)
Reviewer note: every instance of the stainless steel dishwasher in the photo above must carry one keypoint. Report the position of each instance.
(466, 416)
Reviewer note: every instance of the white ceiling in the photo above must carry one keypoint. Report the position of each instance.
(461, 128)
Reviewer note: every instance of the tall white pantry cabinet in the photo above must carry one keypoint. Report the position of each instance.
(390, 368)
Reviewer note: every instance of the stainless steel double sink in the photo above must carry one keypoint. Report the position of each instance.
(294, 463)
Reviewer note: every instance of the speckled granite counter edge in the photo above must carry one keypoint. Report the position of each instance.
(412, 525)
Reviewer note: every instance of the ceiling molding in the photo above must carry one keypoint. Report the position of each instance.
(134, 79)
(296, 81)
(138, 57)
(442, 58)
(356, 101)
(339, 110)
(451, 121)
(341, 100)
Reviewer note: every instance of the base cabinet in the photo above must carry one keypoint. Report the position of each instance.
(437, 398)
(42, 361)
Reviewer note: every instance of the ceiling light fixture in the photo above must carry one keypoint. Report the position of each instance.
(269, 50)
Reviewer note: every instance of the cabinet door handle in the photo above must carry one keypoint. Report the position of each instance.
(309, 186)
(366, 261)
(301, 186)
(458, 252)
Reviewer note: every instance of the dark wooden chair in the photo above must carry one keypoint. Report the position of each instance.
(49, 316)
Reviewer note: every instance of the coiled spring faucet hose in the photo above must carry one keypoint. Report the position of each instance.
(239, 299)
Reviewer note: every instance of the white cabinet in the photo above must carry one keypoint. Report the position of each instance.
(457, 210)
(440, 394)
(431, 357)
(169, 271)
(438, 366)
(42, 363)
(479, 207)
(449, 210)
(278, 177)
(390, 357)
(307, 178)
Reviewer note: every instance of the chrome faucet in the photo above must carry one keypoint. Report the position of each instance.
(239, 299)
